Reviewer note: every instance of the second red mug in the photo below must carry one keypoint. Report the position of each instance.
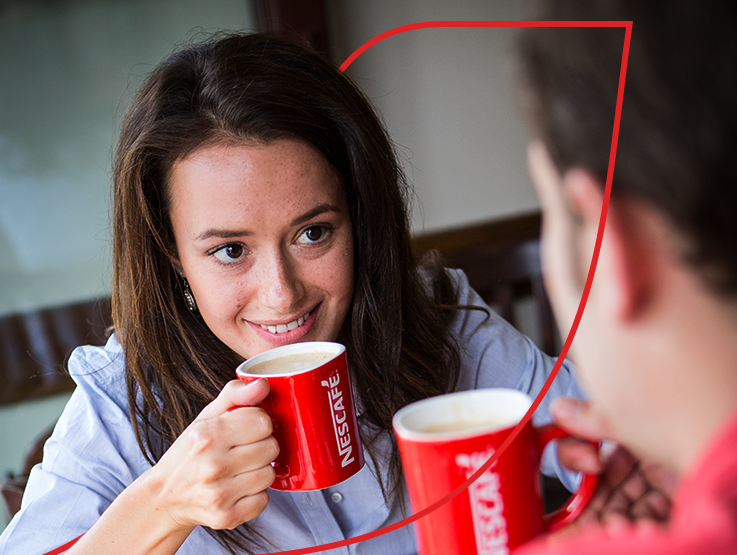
(444, 440)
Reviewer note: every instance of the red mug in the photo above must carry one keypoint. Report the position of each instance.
(311, 406)
(444, 440)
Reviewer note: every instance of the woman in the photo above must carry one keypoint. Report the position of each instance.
(257, 202)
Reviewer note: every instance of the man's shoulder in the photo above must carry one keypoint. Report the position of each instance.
(637, 540)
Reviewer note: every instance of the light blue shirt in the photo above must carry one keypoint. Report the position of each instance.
(93, 455)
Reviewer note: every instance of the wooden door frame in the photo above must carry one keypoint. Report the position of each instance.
(301, 20)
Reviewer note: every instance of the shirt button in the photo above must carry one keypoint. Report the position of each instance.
(336, 497)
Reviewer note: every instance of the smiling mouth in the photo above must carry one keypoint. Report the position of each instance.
(285, 328)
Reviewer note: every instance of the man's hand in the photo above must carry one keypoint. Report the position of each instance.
(630, 489)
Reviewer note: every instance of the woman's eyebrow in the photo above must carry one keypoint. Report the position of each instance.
(319, 209)
(222, 234)
(230, 234)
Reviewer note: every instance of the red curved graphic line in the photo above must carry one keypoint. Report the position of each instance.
(64, 547)
(452, 24)
(589, 279)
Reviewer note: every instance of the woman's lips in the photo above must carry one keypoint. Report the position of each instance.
(284, 328)
(281, 337)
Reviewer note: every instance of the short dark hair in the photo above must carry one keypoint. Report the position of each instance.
(678, 129)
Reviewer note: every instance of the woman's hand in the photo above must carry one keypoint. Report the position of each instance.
(630, 489)
(216, 473)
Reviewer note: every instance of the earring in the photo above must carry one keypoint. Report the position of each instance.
(189, 297)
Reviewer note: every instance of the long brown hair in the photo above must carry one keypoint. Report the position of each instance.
(260, 88)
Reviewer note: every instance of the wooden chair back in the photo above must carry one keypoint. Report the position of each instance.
(502, 261)
(34, 348)
(15, 484)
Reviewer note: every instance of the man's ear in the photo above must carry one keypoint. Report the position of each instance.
(622, 276)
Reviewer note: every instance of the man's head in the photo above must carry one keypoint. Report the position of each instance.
(679, 120)
(666, 283)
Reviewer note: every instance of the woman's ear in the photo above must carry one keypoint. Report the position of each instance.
(177, 265)
(622, 278)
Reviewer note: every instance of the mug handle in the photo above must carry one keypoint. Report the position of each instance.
(581, 498)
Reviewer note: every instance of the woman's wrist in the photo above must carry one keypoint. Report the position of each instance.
(157, 491)
(139, 521)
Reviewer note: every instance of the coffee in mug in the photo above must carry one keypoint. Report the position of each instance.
(463, 425)
(444, 440)
(313, 413)
(290, 364)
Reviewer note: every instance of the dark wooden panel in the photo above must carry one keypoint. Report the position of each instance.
(35, 346)
(509, 230)
(502, 261)
(300, 20)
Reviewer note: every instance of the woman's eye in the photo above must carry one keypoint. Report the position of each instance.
(313, 234)
(229, 253)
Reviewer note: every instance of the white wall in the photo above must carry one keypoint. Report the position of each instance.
(69, 69)
(447, 100)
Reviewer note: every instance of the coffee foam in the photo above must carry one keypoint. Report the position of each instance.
(491, 422)
(291, 364)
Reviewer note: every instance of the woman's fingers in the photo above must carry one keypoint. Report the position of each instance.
(217, 471)
(212, 438)
(245, 425)
(244, 498)
(236, 393)
(253, 482)
(248, 508)
(255, 455)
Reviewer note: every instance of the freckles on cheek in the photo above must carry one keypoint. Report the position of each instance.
(325, 278)
(335, 269)
(224, 299)
(338, 284)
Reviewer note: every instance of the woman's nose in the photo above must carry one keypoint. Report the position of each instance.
(280, 287)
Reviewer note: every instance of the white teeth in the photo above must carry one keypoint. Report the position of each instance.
(284, 328)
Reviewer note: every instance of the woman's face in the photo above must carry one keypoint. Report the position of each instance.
(263, 235)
